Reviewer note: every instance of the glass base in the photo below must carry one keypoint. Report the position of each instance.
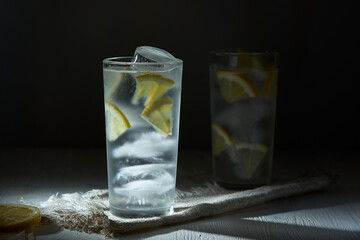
(141, 212)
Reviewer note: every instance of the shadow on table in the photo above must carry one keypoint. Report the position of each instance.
(325, 198)
(252, 222)
(251, 229)
(256, 229)
(45, 227)
(238, 223)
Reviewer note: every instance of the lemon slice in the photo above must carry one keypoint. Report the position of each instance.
(17, 217)
(235, 86)
(220, 139)
(250, 155)
(151, 87)
(159, 115)
(112, 81)
(116, 122)
(270, 84)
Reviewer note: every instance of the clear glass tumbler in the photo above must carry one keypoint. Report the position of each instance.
(142, 111)
(243, 90)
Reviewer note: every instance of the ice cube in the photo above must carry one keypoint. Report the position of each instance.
(142, 188)
(246, 120)
(235, 119)
(141, 171)
(147, 54)
(151, 54)
(147, 145)
(255, 75)
(142, 179)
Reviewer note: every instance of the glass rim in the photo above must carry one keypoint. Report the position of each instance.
(236, 53)
(120, 61)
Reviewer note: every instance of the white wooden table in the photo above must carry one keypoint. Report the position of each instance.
(332, 213)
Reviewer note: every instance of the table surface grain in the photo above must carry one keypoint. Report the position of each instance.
(332, 213)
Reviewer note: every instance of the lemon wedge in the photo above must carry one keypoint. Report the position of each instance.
(17, 217)
(250, 155)
(159, 115)
(246, 60)
(151, 87)
(112, 81)
(270, 84)
(116, 122)
(220, 139)
(235, 86)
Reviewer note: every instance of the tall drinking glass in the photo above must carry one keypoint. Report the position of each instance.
(142, 111)
(243, 90)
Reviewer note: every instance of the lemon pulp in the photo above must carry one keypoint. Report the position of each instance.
(116, 122)
(235, 86)
(220, 139)
(16, 217)
(159, 115)
(270, 83)
(250, 155)
(150, 87)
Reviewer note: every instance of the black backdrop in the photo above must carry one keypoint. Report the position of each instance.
(51, 74)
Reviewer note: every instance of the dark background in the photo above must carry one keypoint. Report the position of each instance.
(51, 92)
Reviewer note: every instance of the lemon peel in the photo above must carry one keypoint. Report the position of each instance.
(17, 217)
(116, 122)
(151, 87)
(159, 115)
(220, 139)
(235, 86)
